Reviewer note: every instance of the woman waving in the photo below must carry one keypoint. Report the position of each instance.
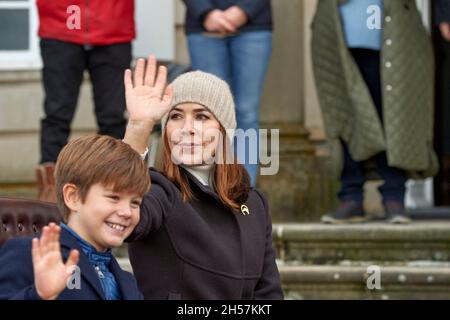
(204, 233)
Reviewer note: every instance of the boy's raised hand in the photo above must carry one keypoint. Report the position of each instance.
(50, 273)
(147, 96)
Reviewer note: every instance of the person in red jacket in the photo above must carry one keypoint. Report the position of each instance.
(80, 35)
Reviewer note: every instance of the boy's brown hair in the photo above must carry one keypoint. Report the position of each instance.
(99, 159)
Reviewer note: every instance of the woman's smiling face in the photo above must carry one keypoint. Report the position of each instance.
(193, 134)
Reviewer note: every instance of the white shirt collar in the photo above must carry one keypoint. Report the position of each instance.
(201, 172)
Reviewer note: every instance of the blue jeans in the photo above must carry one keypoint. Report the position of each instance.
(242, 61)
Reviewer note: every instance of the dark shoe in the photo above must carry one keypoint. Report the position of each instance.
(46, 182)
(348, 212)
(395, 212)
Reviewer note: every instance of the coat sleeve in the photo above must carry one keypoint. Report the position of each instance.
(156, 206)
(199, 9)
(252, 7)
(269, 285)
(442, 11)
(16, 271)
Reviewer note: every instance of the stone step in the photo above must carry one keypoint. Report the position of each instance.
(321, 244)
(358, 282)
(419, 280)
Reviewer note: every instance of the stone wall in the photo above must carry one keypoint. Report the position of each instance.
(21, 108)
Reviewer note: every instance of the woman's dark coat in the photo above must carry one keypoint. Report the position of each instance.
(201, 249)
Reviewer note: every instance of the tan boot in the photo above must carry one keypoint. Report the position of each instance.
(46, 182)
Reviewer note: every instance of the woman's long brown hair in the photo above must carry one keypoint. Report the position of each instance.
(231, 180)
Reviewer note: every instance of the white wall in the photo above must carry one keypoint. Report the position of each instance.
(155, 23)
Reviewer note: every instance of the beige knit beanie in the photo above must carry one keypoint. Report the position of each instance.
(208, 91)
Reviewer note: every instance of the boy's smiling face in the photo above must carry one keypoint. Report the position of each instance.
(105, 218)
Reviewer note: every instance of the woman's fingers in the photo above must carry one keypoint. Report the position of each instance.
(150, 71)
(139, 73)
(153, 77)
(161, 81)
(127, 80)
(167, 98)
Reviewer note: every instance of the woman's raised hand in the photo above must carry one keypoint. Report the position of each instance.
(147, 95)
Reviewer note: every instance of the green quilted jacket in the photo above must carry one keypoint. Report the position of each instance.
(407, 73)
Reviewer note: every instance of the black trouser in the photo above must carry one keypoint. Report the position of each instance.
(62, 75)
(353, 176)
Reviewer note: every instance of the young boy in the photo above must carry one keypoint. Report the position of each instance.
(100, 182)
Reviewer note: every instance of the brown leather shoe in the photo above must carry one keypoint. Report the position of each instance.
(46, 182)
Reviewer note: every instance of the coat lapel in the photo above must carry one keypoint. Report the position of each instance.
(252, 244)
(205, 189)
(68, 242)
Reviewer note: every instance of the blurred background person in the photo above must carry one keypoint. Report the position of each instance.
(83, 35)
(374, 70)
(232, 39)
